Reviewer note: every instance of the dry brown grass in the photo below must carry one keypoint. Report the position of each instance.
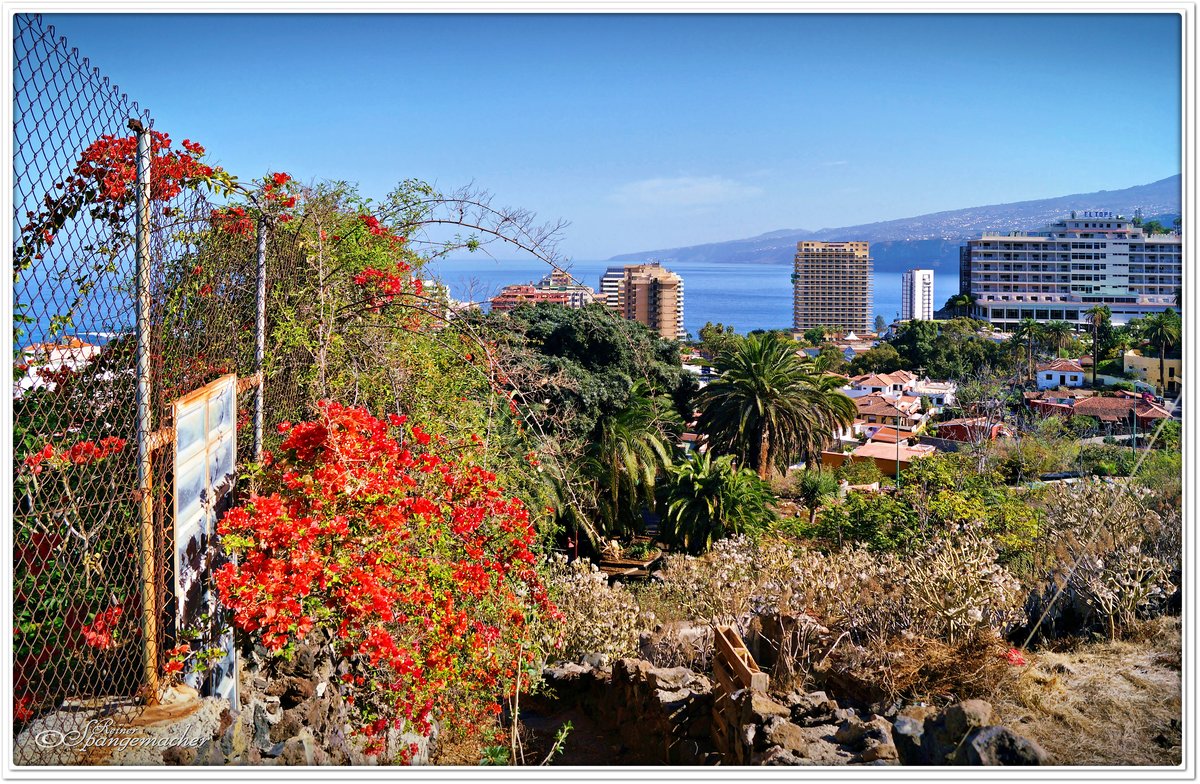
(1109, 703)
(919, 668)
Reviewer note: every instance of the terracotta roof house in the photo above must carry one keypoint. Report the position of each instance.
(885, 456)
(1059, 373)
(873, 383)
(889, 435)
(972, 429)
(1121, 410)
(879, 410)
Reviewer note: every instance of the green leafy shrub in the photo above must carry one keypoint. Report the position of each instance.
(708, 499)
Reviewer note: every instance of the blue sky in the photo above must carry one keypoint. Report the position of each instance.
(652, 131)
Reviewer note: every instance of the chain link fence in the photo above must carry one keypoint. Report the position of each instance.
(93, 507)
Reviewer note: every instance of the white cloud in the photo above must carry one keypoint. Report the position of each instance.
(683, 192)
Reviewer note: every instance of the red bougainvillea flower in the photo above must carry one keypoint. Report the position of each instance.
(99, 633)
(23, 707)
(416, 563)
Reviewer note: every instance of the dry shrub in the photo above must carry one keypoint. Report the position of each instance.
(737, 578)
(930, 623)
(596, 617)
(679, 644)
(1108, 561)
(913, 667)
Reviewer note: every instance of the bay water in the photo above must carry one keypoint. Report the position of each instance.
(747, 296)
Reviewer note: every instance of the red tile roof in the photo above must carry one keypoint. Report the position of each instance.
(1060, 366)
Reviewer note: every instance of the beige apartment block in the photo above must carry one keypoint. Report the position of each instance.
(831, 285)
(653, 296)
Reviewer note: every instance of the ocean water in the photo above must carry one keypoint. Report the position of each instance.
(748, 296)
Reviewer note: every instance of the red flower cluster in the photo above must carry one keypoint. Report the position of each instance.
(1014, 657)
(233, 220)
(378, 230)
(110, 164)
(420, 565)
(175, 659)
(103, 178)
(381, 287)
(277, 197)
(99, 633)
(23, 707)
(81, 453)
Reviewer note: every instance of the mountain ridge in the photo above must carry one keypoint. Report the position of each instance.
(930, 239)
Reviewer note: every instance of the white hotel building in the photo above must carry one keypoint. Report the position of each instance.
(916, 295)
(1058, 273)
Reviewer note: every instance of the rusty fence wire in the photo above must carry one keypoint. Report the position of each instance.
(94, 606)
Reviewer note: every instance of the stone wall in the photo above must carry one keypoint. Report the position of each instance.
(663, 716)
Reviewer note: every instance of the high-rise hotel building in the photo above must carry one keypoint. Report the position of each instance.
(916, 295)
(649, 294)
(831, 285)
(1059, 272)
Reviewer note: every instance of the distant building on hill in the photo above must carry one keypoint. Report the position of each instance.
(831, 285)
(1094, 257)
(916, 295)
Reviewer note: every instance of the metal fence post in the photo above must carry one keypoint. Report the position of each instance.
(144, 423)
(260, 337)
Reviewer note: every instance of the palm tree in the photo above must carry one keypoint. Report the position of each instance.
(1097, 316)
(961, 303)
(767, 408)
(817, 489)
(1058, 333)
(1163, 330)
(627, 452)
(712, 498)
(1031, 332)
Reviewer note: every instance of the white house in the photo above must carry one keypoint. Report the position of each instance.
(1059, 373)
(940, 393)
(73, 354)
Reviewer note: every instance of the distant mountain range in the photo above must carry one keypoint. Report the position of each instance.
(932, 240)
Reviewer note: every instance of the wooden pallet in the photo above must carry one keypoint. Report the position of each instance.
(734, 669)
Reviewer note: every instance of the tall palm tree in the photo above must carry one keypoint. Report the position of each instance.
(1057, 334)
(768, 408)
(1163, 330)
(1031, 332)
(629, 449)
(1097, 316)
(711, 498)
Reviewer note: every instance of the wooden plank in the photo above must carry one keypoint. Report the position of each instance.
(741, 663)
(724, 678)
(618, 571)
(720, 730)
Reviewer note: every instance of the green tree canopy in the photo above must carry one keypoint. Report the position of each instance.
(767, 408)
